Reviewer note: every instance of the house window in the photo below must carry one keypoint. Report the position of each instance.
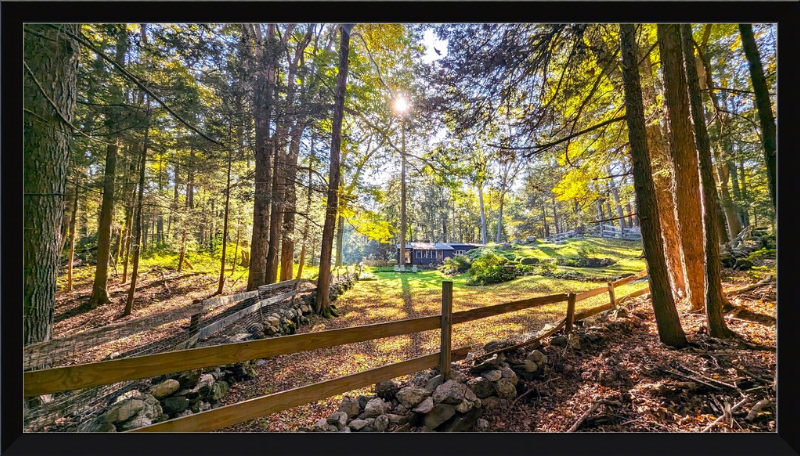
(416, 254)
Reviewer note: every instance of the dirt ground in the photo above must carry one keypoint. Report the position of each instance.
(649, 387)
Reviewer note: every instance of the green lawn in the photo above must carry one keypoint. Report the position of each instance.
(390, 295)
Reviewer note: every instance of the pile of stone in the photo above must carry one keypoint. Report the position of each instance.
(428, 403)
(169, 396)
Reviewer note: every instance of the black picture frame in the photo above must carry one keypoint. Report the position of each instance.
(14, 442)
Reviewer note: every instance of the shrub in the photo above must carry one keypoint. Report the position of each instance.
(586, 251)
(761, 253)
(547, 267)
(529, 260)
(458, 264)
(489, 269)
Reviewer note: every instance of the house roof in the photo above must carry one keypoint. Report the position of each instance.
(436, 246)
(465, 244)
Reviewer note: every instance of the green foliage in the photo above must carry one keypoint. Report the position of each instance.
(458, 264)
(547, 267)
(529, 261)
(761, 253)
(586, 251)
(489, 269)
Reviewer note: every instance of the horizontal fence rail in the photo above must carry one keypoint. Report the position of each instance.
(217, 325)
(484, 312)
(254, 408)
(108, 372)
(85, 375)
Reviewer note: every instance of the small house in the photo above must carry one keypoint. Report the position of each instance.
(426, 253)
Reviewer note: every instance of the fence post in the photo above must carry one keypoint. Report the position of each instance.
(447, 320)
(611, 295)
(570, 313)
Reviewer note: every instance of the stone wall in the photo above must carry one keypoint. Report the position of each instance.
(427, 403)
(185, 393)
(169, 396)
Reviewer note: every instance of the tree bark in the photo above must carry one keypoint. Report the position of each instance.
(72, 237)
(555, 215)
(265, 63)
(322, 305)
(99, 292)
(137, 240)
(669, 326)
(715, 300)
(52, 62)
(615, 194)
(544, 219)
(290, 201)
(684, 158)
(225, 225)
(339, 240)
(403, 197)
(763, 104)
(183, 250)
(499, 221)
(484, 236)
(308, 213)
(129, 191)
(663, 180)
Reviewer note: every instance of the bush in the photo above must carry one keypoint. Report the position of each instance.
(586, 251)
(547, 267)
(529, 260)
(488, 269)
(761, 253)
(458, 264)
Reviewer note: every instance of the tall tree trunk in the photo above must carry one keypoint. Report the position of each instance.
(66, 220)
(308, 213)
(670, 331)
(265, 63)
(72, 237)
(733, 172)
(339, 241)
(236, 248)
(663, 180)
(137, 239)
(183, 250)
(99, 292)
(544, 219)
(290, 202)
(615, 194)
(765, 116)
(729, 221)
(276, 208)
(684, 158)
(51, 60)
(715, 300)
(484, 236)
(130, 195)
(555, 215)
(743, 192)
(403, 197)
(322, 305)
(499, 221)
(190, 180)
(225, 224)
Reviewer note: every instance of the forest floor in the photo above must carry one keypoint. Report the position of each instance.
(628, 365)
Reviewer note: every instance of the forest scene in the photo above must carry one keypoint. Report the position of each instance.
(376, 227)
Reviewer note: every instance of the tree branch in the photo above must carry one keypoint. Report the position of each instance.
(83, 40)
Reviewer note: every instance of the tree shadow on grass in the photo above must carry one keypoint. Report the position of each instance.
(408, 306)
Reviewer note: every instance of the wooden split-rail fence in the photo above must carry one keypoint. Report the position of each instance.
(599, 230)
(106, 372)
